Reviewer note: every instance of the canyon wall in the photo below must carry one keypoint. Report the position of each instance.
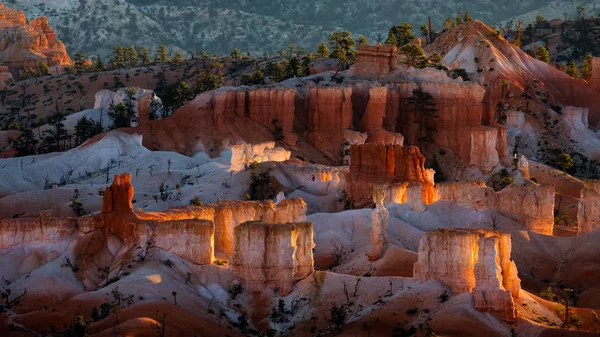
(243, 155)
(35, 231)
(388, 164)
(329, 116)
(5, 77)
(375, 61)
(24, 45)
(474, 261)
(531, 205)
(273, 254)
(588, 213)
(595, 80)
(190, 239)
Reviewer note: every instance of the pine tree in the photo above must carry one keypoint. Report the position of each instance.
(322, 51)
(586, 68)
(362, 40)
(177, 58)
(468, 17)
(402, 33)
(98, 64)
(131, 57)
(573, 70)
(425, 33)
(342, 44)
(118, 59)
(459, 16)
(162, 54)
(79, 63)
(423, 105)
(542, 54)
(144, 56)
(412, 53)
(182, 94)
(449, 23)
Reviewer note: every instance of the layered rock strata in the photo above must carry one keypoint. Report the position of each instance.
(329, 116)
(531, 205)
(243, 155)
(595, 79)
(588, 213)
(474, 261)
(24, 45)
(375, 61)
(387, 164)
(273, 254)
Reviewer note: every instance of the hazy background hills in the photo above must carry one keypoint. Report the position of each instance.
(258, 26)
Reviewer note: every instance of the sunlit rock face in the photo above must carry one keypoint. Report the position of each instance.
(243, 155)
(190, 239)
(595, 80)
(35, 231)
(275, 255)
(531, 205)
(475, 261)
(329, 116)
(228, 215)
(25, 45)
(388, 164)
(484, 144)
(588, 214)
(375, 61)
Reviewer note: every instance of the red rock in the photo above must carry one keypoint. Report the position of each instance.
(329, 116)
(595, 80)
(375, 61)
(118, 197)
(25, 45)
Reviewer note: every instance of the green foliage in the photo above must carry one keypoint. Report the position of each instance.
(177, 58)
(564, 161)
(586, 68)
(86, 128)
(448, 24)
(25, 143)
(79, 65)
(162, 54)
(210, 77)
(256, 78)
(362, 40)
(322, 51)
(413, 54)
(343, 45)
(196, 201)
(542, 54)
(13, 126)
(573, 70)
(422, 104)
(401, 35)
(120, 116)
(43, 69)
(467, 17)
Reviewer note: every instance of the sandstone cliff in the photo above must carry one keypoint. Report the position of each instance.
(588, 214)
(595, 80)
(475, 261)
(531, 205)
(389, 164)
(25, 45)
(379, 224)
(5, 77)
(329, 116)
(273, 254)
(375, 61)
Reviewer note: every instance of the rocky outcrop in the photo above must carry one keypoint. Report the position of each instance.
(388, 164)
(531, 205)
(373, 119)
(379, 224)
(245, 154)
(190, 239)
(475, 261)
(329, 116)
(143, 99)
(484, 152)
(375, 61)
(323, 65)
(5, 77)
(575, 120)
(595, 79)
(273, 254)
(228, 215)
(35, 231)
(117, 197)
(588, 213)
(523, 167)
(25, 45)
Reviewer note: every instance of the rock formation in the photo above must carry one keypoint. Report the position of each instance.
(35, 231)
(475, 261)
(273, 254)
(374, 117)
(118, 196)
(484, 153)
(228, 215)
(388, 164)
(531, 205)
(375, 61)
(595, 79)
(190, 239)
(143, 99)
(329, 116)
(5, 77)
(379, 224)
(588, 213)
(245, 154)
(25, 45)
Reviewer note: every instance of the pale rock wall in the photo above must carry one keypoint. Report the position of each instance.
(515, 119)
(190, 239)
(475, 261)
(588, 213)
(484, 152)
(243, 155)
(531, 205)
(379, 224)
(143, 99)
(35, 231)
(575, 120)
(273, 254)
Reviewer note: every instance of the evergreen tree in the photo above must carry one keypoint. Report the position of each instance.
(586, 68)
(85, 129)
(459, 17)
(118, 59)
(144, 56)
(183, 94)
(342, 44)
(449, 23)
(56, 133)
(293, 67)
(413, 53)
(573, 70)
(423, 105)
(322, 51)
(118, 114)
(468, 17)
(25, 143)
(436, 59)
(209, 78)
(403, 34)
(162, 54)
(425, 32)
(98, 64)
(177, 58)
(43, 69)
(362, 40)
(79, 63)
(131, 57)
(542, 54)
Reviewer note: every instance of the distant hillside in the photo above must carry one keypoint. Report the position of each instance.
(257, 26)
